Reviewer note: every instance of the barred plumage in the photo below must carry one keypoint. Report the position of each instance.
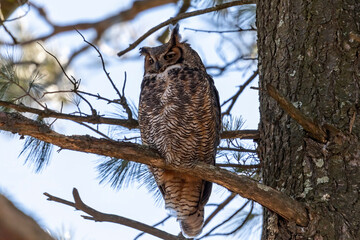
(179, 115)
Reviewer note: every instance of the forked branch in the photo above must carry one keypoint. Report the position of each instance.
(104, 217)
(242, 185)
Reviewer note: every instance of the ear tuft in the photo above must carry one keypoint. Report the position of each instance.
(144, 51)
(175, 35)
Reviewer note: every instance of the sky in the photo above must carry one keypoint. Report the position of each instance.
(68, 169)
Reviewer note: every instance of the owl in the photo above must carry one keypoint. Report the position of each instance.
(179, 116)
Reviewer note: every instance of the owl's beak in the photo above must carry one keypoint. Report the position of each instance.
(157, 66)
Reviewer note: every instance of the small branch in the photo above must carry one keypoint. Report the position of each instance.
(47, 113)
(219, 208)
(155, 225)
(227, 220)
(175, 19)
(241, 166)
(102, 25)
(104, 217)
(73, 81)
(242, 134)
(221, 31)
(314, 129)
(95, 130)
(102, 63)
(270, 198)
(236, 149)
(235, 97)
(247, 218)
(122, 101)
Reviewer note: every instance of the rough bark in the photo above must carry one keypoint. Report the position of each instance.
(306, 52)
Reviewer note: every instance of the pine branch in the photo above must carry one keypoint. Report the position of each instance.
(274, 200)
(104, 217)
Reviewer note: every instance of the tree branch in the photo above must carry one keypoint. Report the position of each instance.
(175, 19)
(95, 119)
(314, 129)
(235, 97)
(101, 26)
(15, 225)
(242, 134)
(130, 124)
(220, 207)
(244, 186)
(104, 217)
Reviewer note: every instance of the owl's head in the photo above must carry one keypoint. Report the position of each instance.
(157, 59)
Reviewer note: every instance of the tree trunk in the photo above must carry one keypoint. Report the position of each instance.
(309, 51)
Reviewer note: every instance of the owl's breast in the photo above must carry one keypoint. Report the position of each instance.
(177, 116)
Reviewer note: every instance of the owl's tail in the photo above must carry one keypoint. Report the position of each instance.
(191, 225)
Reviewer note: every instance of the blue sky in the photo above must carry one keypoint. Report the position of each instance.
(69, 169)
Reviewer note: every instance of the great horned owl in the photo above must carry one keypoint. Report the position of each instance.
(179, 115)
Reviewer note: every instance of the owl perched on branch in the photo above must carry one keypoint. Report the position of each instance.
(179, 115)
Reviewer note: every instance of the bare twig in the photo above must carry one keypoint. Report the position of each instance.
(47, 113)
(241, 166)
(123, 100)
(228, 219)
(102, 25)
(9, 33)
(220, 207)
(221, 31)
(155, 225)
(242, 134)
(248, 216)
(236, 149)
(314, 129)
(225, 67)
(274, 200)
(95, 130)
(183, 16)
(104, 217)
(237, 94)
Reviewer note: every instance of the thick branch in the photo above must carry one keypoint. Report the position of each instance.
(314, 129)
(104, 217)
(244, 186)
(15, 225)
(183, 16)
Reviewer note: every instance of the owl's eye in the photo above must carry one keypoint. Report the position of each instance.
(150, 60)
(169, 55)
